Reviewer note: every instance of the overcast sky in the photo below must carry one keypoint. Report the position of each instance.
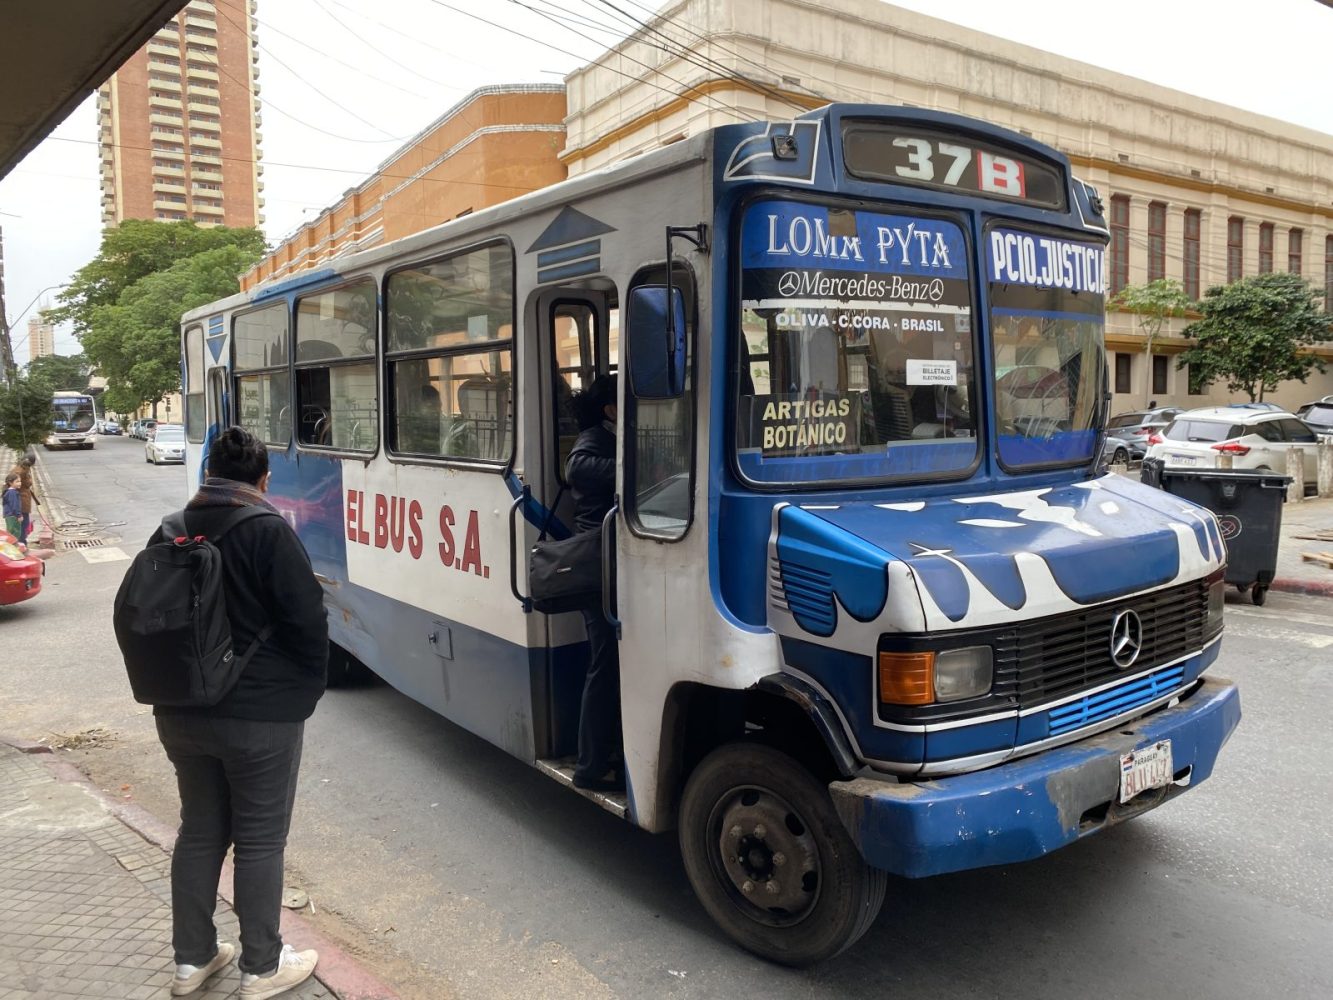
(345, 82)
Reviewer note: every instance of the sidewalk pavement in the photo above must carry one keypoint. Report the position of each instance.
(1295, 575)
(85, 897)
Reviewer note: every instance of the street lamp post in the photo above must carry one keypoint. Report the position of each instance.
(6, 346)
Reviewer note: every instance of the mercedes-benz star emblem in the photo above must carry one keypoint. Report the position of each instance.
(1126, 639)
(788, 284)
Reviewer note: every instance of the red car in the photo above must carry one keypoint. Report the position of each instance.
(20, 573)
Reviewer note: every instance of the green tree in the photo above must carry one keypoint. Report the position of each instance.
(120, 400)
(26, 416)
(1256, 333)
(135, 341)
(61, 371)
(132, 251)
(1152, 305)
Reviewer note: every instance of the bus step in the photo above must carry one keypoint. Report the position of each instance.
(562, 770)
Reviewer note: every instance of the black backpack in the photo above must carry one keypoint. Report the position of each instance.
(171, 618)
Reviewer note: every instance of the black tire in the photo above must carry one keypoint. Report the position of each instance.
(730, 800)
(1258, 594)
(1121, 457)
(345, 670)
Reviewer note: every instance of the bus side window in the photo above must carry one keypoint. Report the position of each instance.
(196, 421)
(573, 338)
(449, 357)
(337, 392)
(659, 444)
(261, 399)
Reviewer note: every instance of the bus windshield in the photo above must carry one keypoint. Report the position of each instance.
(856, 346)
(1047, 315)
(74, 413)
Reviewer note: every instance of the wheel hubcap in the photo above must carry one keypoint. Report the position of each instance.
(765, 856)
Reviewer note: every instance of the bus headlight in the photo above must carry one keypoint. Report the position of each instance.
(963, 673)
(926, 678)
(1217, 590)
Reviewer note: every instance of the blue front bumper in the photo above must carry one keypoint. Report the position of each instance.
(1030, 807)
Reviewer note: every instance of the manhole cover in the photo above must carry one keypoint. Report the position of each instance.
(82, 543)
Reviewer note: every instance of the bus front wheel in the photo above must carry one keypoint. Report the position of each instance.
(769, 859)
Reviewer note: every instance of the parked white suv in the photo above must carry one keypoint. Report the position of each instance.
(1254, 437)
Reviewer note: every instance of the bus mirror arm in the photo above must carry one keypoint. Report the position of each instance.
(608, 566)
(698, 235)
(514, 507)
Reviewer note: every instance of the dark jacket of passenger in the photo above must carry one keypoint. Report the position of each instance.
(268, 581)
(591, 474)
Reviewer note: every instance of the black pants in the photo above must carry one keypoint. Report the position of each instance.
(599, 713)
(237, 780)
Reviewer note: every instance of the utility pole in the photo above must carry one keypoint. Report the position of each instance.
(6, 346)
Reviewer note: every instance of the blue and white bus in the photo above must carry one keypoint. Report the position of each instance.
(878, 610)
(75, 420)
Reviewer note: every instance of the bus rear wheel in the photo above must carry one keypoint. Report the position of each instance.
(770, 860)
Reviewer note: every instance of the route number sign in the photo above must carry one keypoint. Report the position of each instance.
(877, 152)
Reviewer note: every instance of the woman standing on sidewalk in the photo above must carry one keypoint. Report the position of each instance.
(236, 762)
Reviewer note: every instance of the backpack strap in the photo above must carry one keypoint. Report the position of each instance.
(173, 525)
(234, 518)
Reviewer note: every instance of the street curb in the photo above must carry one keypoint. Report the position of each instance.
(337, 969)
(1311, 588)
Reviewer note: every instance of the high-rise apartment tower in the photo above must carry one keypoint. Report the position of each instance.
(41, 337)
(179, 122)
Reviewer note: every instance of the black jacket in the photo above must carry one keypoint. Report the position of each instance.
(268, 580)
(591, 474)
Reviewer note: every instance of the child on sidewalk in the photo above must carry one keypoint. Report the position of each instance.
(13, 506)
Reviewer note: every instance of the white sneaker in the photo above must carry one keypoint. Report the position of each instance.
(294, 968)
(189, 978)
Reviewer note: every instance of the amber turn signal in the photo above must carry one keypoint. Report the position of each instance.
(907, 678)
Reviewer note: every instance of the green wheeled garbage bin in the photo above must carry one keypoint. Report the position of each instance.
(1248, 506)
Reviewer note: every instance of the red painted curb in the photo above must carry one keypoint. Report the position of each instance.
(1313, 588)
(337, 969)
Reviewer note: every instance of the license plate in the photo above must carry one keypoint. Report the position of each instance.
(1185, 459)
(1145, 768)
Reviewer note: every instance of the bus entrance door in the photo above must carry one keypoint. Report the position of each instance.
(573, 347)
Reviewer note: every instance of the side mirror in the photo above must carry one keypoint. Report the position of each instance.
(656, 342)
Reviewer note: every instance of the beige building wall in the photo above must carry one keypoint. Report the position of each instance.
(770, 59)
(496, 144)
(179, 122)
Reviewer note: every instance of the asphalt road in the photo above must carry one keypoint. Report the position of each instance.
(454, 870)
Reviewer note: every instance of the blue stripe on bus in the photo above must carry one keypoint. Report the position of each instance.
(590, 266)
(574, 252)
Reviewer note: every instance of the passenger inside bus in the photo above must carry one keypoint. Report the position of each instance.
(591, 474)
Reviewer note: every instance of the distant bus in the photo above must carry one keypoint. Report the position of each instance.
(75, 424)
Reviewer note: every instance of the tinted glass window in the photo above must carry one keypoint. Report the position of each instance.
(337, 397)
(1269, 430)
(1202, 430)
(1126, 420)
(336, 324)
(449, 357)
(195, 418)
(456, 303)
(259, 338)
(1294, 430)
